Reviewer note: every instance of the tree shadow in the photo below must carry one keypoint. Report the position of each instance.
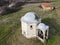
(14, 10)
(54, 27)
(47, 1)
(9, 11)
(3, 2)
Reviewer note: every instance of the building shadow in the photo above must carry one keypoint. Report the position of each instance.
(54, 27)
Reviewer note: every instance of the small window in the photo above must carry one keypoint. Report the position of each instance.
(31, 27)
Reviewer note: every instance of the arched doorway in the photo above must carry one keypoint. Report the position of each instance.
(40, 34)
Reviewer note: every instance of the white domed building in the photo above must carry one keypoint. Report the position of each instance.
(31, 24)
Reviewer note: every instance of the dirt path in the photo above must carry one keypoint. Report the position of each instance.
(31, 4)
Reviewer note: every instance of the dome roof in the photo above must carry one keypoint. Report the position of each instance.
(30, 17)
(42, 26)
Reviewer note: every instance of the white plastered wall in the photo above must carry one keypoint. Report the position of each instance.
(31, 32)
(24, 28)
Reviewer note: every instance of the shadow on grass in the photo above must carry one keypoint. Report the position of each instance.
(54, 27)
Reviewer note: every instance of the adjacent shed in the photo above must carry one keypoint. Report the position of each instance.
(42, 32)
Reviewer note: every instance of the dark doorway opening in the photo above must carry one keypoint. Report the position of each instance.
(40, 33)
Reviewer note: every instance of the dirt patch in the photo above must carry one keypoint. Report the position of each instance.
(31, 4)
